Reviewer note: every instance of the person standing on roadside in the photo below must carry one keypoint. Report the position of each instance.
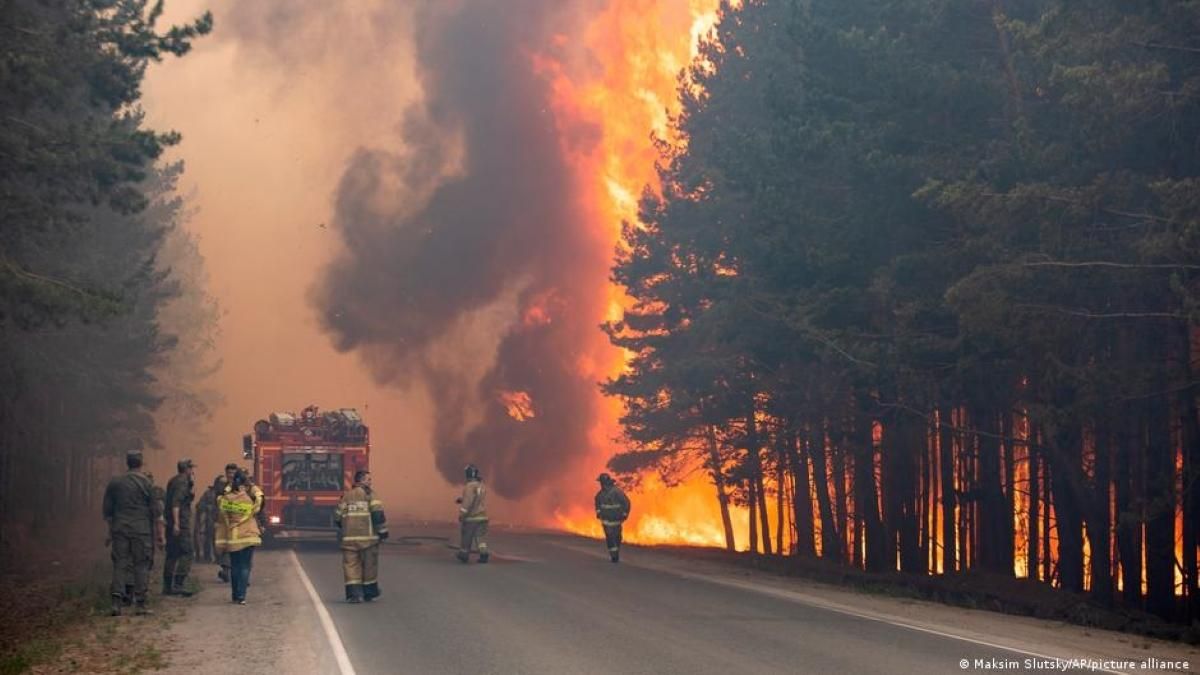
(135, 527)
(203, 530)
(226, 482)
(237, 534)
(180, 550)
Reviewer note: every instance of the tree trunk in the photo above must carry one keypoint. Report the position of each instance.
(949, 498)
(1129, 519)
(1190, 435)
(1160, 507)
(718, 476)
(754, 450)
(865, 494)
(1099, 522)
(817, 451)
(1067, 458)
(1032, 545)
(839, 494)
(780, 491)
(990, 528)
(801, 499)
(752, 514)
(1008, 550)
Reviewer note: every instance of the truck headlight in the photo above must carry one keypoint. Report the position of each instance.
(275, 520)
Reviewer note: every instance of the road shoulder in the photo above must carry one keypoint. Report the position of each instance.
(276, 631)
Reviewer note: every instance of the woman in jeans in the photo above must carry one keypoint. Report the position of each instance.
(237, 533)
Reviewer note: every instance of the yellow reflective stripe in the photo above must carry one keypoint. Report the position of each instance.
(475, 519)
(356, 538)
(356, 514)
(240, 540)
(240, 508)
(610, 522)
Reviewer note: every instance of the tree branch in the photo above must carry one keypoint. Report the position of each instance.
(1174, 48)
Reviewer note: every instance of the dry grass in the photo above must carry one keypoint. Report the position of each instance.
(57, 620)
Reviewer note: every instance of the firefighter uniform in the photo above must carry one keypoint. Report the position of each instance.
(612, 508)
(180, 549)
(362, 524)
(472, 513)
(134, 514)
(256, 495)
(236, 534)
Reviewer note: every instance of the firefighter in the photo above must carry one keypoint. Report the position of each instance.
(237, 533)
(180, 547)
(361, 526)
(472, 513)
(231, 470)
(612, 508)
(135, 527)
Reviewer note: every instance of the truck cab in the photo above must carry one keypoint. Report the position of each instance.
(304, 463)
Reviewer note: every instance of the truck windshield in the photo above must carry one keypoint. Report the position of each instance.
(312, 471)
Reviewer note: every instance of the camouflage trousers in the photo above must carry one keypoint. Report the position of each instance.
(132, 558)
(180, 553)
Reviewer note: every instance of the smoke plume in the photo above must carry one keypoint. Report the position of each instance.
(467, 264)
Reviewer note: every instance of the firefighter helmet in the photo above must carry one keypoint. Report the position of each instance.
(605, 479)
(472, 472)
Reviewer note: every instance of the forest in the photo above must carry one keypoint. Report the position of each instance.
(920, 288)
(104, 320)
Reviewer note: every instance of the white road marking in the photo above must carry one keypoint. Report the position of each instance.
(335, 641)
(794, 596)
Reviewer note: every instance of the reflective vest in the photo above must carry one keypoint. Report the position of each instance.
(361, 519)
(236, 527)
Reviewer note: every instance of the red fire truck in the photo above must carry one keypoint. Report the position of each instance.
(303, 464)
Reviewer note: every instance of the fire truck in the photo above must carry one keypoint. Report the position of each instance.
(303, 463)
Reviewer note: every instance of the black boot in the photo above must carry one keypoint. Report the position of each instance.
(223, 575)
(117, 602)
(141, 609)
(483, 557)
(615, 556)
(370, 592)
(463, 557)
(179, 587)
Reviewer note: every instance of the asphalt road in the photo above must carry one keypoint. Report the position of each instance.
(547, 604)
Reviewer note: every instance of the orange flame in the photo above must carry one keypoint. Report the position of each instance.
(518, 404)
(643, 46)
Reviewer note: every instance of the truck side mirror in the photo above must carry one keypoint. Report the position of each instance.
(247, 447)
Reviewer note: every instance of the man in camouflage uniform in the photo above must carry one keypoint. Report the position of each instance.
(362, 525)
(135, 526)
(612, 508)
(203, 535)
(180, 551)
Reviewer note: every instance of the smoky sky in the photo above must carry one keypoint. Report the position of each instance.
(480, 206)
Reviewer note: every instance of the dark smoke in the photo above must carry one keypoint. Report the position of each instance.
(424, 250)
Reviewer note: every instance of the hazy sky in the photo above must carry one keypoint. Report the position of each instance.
(268, 128)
